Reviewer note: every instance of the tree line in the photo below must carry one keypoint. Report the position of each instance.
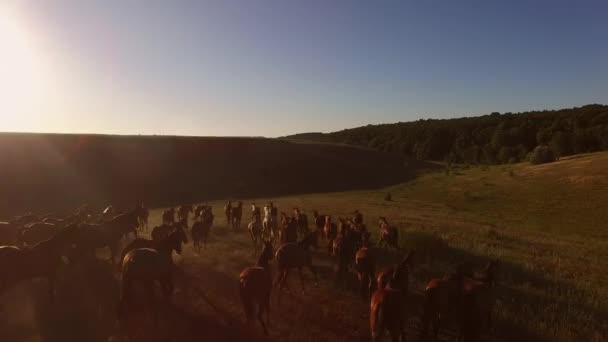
(489, 139)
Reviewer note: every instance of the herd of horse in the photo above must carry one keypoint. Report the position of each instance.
(36, 245)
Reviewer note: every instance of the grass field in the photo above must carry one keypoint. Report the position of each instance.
(547, 225)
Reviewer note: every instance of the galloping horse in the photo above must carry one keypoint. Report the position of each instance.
(388, 234)
(34, 233)
(200, 229)
(288, 232)
(344, 248)
(155, 243)
(255, 286)
(143, 219)
(295, 255)
(319, 221)
(270, 223)
(301, 221)
(169, 216)
(330, 231)
(237, 215)
(358, 218)
(255, 231)
(256, 214)
(183, 211)
(40, 260)
(388, 310)
(228, 212)
(365, 265)
(147, 266)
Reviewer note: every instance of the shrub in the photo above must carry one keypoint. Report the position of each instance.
(541, 155)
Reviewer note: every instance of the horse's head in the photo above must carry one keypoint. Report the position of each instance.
(268, 250)
(327, 219)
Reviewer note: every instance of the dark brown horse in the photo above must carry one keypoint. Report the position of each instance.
(256, 213)
(295, 255)
(37, 232)
(344, 248)
(143, 219)
(40, 260)
(168, 216)
(184, 211)
(237, 215)
(288, 230)
(319, 221)
(330, 231)
(255, 231)
(388, 309)
(478, 299)
(454, 298)
(200, 229)
(178, 232)
(228, 212)
(389, 235)
(358, 218)
(147, 266)
(301, 221)
(255, 287)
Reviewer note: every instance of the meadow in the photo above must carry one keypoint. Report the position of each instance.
(546, 225)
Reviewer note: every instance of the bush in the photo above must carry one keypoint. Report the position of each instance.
(541, 155)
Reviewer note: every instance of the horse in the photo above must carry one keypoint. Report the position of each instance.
(183, 211)
(200, 230)
(143, 219)
(330, 231)
(388, 310)
(256, 214)
(344, 248)
(168, 216)
(288, 232)
(365, 265)
(34, 233)
(358, 218)
(148, 266)
(153, 244)
(319, 220)
(255, 231)
(443, 299)
(301, 221)
(237, 215)
(161, 232)
(255, 286)
(389, 235)
(40, 260)
(295, 255)
(477, 303)
(228, 212)
(270, 220)
(129, 221)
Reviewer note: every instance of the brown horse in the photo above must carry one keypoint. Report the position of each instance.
(148, 266)
(389, 235)
(168, 216)
(344, 248)
(365, 265)
(143, 219)
(388, 309)
(237, 215)
(295, 255)
(256, 213)
(301, 221)
(358, 218)
(255, 286)
(478, 301)
(40, 260)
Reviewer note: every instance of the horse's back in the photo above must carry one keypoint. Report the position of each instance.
(143, 264)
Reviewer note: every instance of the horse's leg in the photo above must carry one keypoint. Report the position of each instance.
(261, 310)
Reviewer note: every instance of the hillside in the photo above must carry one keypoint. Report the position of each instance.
(545, 224)
(47, 171)
(490, 139)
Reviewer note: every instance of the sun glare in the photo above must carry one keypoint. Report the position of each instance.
(22, 81)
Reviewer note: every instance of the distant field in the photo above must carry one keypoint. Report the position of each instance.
(547, 225)
(53, 172)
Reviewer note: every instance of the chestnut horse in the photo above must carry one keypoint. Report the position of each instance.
(228, 212)
(301, 221)
(148, 266)
(319, 221)
(255, 286)
(169, 216)
(184, 211)
(200, 229)
(344, 248)
(143, 219)
(295, 255)
(330, 231)
(153, 244)
(288, 232)
(40, 260)
(255, 231)
(388, 309)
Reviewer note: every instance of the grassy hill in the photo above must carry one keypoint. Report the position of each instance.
(545, 224)
(49, 172)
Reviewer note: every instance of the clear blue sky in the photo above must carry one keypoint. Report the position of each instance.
(279, 67)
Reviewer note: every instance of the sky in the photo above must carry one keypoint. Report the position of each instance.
(272, 68)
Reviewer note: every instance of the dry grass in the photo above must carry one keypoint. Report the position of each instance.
(547, 225)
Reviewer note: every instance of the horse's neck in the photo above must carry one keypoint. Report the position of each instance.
(262, 261)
